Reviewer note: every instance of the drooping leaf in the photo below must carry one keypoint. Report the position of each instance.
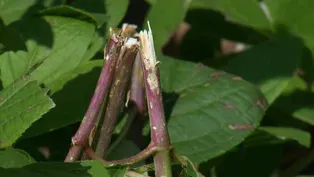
(97, 44)
(246, 12)
(270, 65)
(78, 90)
(21, 104)
(80, 70)
(190, 170)
(261, 138)
(14, 158)
(164, 20)
(72, 12)
(297, 100)
(56, 46)
(215, 111)
(286, 133)
(116, 10)
(77, 169)
(13, 65)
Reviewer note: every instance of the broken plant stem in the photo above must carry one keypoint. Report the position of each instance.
(74, 153)
(159, 133)
(117, 94)
(92, 135)
(81, 138)
(144, 154)
(137, 91)
(137, 98)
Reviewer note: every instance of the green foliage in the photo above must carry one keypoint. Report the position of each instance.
(86, 168)
(215, 102)
(246, 12)
(270, 56)
(14, 158)
(21, 103)
(232, 112)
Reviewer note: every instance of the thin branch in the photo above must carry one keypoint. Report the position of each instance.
(144, 154)
(81, 138)
(74, 153)
(138, 97)
(159, 133)
(137, 91)
(117, 93)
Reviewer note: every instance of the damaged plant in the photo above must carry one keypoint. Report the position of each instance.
(189, 103)
(123, 48)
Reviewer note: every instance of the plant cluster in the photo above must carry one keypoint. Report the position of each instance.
(219, 88)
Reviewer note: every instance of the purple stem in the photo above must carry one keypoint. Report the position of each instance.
(159, 132)
(137, 91)
(148, 151)
(137, 97)
(111, 51)
(117, 93)
(74, 153)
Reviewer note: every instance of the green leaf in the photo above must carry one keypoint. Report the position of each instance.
(14, 158)
(11, 10)
(116, 10)
(68, 11)
(212, 105)
(82, 169)
(21, 103)
(56, 46)
(297, 100)
(80, 70)
(78, 92)
(13, 66)
(97, 44)
(164, 20)
(246, 12)
(287, 133)
(118, 172)
(190, 169)
(261, 138)
(270, 65)
(104, 9)
(293, 16)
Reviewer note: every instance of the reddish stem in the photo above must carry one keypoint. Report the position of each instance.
(81, 138)
(137, 91)
(116, 96)
(159, 132)
(74, 153)
(148, 151)
(138, 98)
